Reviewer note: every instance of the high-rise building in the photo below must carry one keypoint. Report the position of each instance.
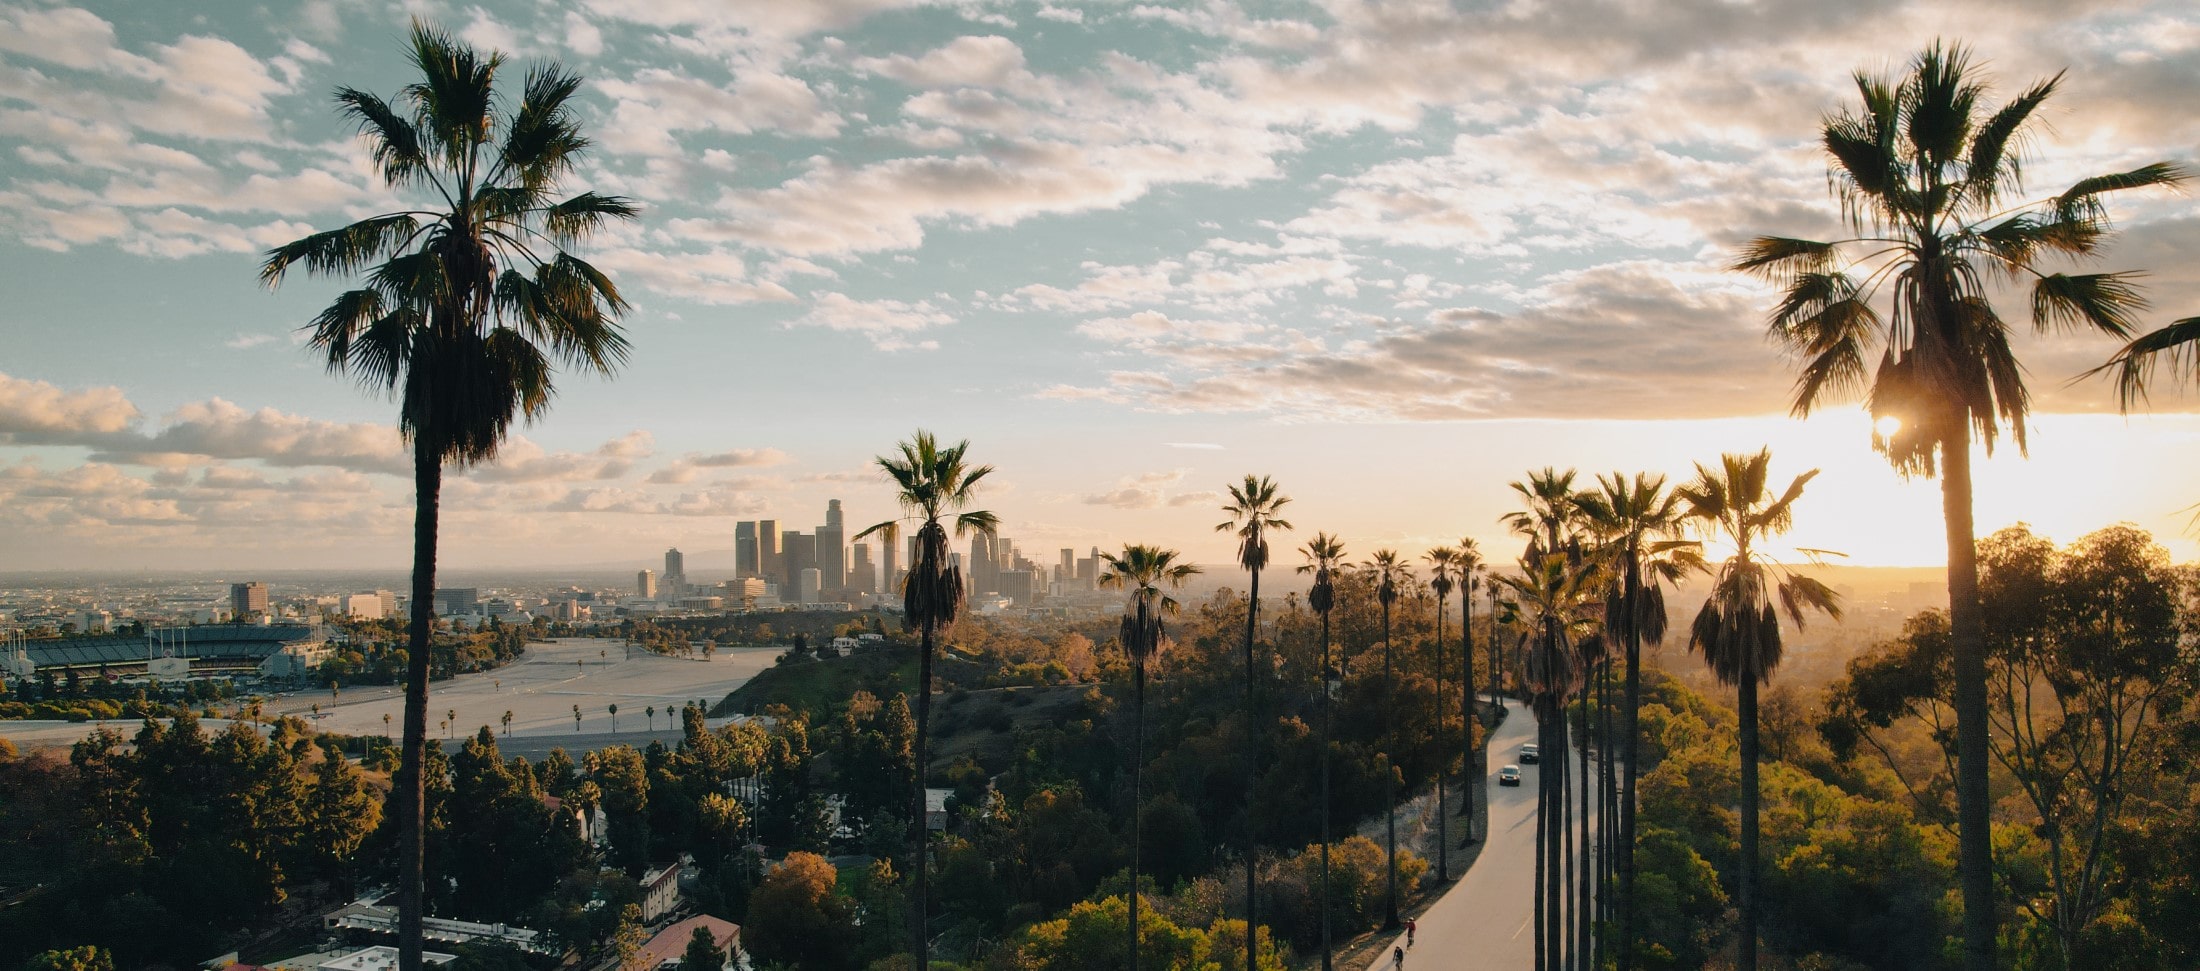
(806, 585)
(767, 550)
(246, 599)
(832, 553)
(675, 579)
(1068, 571)
(984, 575)
(862, 576)
(797, 552)
(887, 579)
(645, 585)
(745, 563)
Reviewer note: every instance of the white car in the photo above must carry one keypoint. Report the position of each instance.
(1508, 776)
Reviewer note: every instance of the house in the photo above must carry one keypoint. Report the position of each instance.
(670, 945)
(661, 888)
(935, 808)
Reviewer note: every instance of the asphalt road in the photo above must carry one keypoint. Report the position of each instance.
(1482, 921)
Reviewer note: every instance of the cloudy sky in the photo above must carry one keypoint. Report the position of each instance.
(1394, 254)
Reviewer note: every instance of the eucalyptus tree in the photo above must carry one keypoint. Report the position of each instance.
(466, 309)
(1441, 561)
(1388, 570)
(1930, 181)
(1641, 524)
(1253, 510)
(1324, 557)
(1143, 570)
(1738, 629)
(935, 487)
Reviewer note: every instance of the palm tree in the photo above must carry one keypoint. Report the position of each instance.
(1324, 557)
(930, 482)
(1640, 523)
(1550, 514)
(1929, 181)
(614, 711)
(1468, 561)
(507, 723)
(1738, 629)
(1252, 509)
(463, 309)
(1549, 596)
(1142, 570)
(576, 718)
(651, 714)
(1388, 569)
(1440, 562)
(385, 726)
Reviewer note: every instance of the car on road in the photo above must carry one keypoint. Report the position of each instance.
(1508, 776)
(1530, 754)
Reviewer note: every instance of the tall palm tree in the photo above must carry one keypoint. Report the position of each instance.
(1549, 517)
(1253, 512)
(1549, 596)
(1324, 557)
(1142, 570)
(930, 482)
(1640, 523)
(1930, 182)
(1738, 629)
(1467, 560)
(1441, 560)
(465, 309)
(1388, 570)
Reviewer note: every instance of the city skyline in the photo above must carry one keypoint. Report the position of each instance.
(1131, 254)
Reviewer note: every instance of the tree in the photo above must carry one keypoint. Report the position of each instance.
(796, 918)
(463, 310)
(613, 709)
(703, 953)
(1552, 581)
(1639, 523)
(1738, 629)
(1387, 570)
(1441, 560)
(86, 958)
(1252, 510)
(507, 723)
(1324, 557)
(1929, 181)
(930, 482)
(1143, 570)
(1472, 572)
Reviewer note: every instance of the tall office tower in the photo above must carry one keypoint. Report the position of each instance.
(1067, 571)
(806, 585)
(744, 550)
(797, 552)
(887, 585)
(983, 576)
(246, 599)
(675, 564)
(767, 549)
(862, 576)
(645, 585)
(832, 550)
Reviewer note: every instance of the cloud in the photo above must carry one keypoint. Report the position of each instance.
(887, 322)
(38, 413)
(741, 458)
(1148, 491)
(986, 62)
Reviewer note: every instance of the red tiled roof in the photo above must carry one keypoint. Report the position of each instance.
(671, 943)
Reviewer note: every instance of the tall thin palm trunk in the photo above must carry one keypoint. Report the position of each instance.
(1630, 765)
(919, 828)
(1608, 818)
(1571, 875)
(1390, 781)
(412, 791)
(1474, 778)
(1443, 834)
(1542, 847)
(1327, 951)
(1252, 770)
(1138, 790)
(1745, 958)
(1974, 848)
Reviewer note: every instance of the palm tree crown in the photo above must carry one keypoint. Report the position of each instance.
(1324, 557)
(1253, 507)
(1144, 570)
(465, 306)
(1738, 629)
(932, 482)
(1927, 177)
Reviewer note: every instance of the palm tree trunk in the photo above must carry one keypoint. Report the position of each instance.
(1390, 781)
(1542, 845)
(1552, 809)
(1631, 760)
(1572, 903)
(919, 826)
(1327, 953)
(1473, 778)
(412, 792)
(1138, 773)
(1745, 958)
(1443, 834)
(1608, 817)
(1252, 766)
(1974, 846)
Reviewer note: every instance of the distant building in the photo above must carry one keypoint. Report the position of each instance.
(661, 889)
(675, 579)
(669, 947)
(889, 577)
(797, 552)
(862, 576)
(807, 586)
(365, 606)
(246, 599)
(645, 585)
(93, 621)
(768, 565)
(745, 562)
(456, 601)
(832, 554)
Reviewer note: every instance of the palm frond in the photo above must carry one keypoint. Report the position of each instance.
(2083, 199)
(1780, 258)
(2107, 302)
(2133, 366)
(342, 251)
(391, 140)
(580, 216)
(1991, 169)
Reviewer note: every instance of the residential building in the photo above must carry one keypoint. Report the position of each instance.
(661, 888)
(669, 947)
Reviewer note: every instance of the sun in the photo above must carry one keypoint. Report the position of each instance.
(1887, 425)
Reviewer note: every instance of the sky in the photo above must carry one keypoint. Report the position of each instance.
(1394, 254)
